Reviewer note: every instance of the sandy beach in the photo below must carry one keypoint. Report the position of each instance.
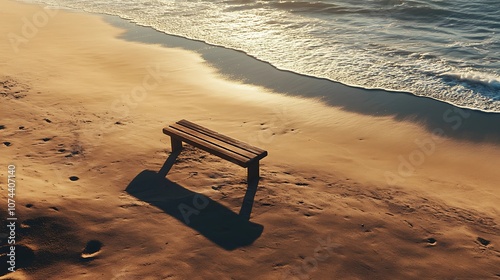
(345, 193)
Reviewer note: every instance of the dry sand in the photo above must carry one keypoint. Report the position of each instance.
(331, 204)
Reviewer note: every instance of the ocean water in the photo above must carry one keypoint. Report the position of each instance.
(443, 49)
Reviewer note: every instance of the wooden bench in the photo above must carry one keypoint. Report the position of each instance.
(217, 144)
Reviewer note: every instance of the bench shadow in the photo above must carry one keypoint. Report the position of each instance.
(211, 219)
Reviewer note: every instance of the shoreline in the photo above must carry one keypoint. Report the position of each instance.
(261, 79)
(357, 196)
(480, 126)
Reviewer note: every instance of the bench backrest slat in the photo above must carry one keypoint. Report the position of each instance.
(258, 152)
(223, 146)
(216, 150)
(215, 141)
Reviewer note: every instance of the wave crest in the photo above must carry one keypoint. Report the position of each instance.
(475, 78)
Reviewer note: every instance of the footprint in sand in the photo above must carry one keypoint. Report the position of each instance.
(74, 178)
(92, 249)
(24, 257)
(431, 241)
(217, 188)
(483, 241)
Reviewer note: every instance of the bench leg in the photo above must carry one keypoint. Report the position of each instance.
(253, 172)
(253, 182)
(176, 144)
(176, 150)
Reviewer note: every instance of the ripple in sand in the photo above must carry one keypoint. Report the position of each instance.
(92, 249)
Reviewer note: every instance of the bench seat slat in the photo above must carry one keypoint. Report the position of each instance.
(209, 147)
(259, 152)
(215, 141)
